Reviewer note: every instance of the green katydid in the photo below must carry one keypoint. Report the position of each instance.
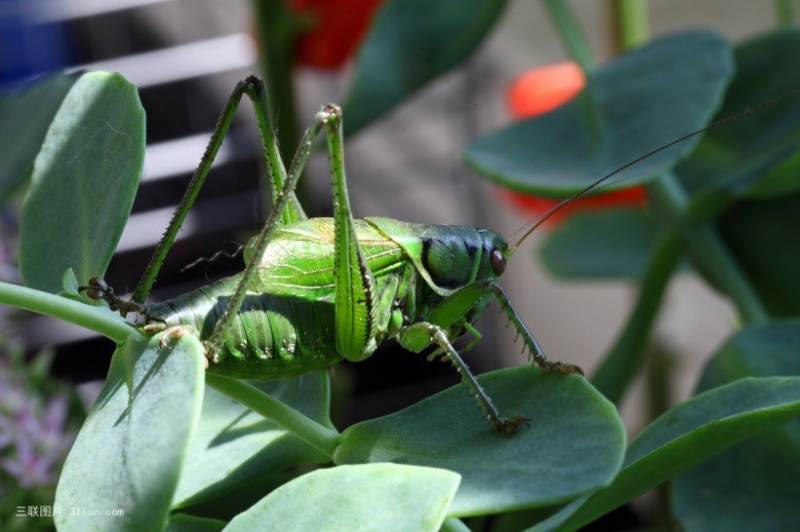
(316, 291)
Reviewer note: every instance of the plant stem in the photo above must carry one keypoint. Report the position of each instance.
(276, 33)
(98, 319)
(784, 11)
(708, 249)
(631, 27)
(624, 360)
(571, 34)
(305, 428)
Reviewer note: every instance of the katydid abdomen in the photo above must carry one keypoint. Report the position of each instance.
(271, 338)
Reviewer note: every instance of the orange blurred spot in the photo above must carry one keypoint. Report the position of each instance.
(533, 206)
(542, 89)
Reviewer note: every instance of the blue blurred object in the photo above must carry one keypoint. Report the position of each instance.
(29, 46)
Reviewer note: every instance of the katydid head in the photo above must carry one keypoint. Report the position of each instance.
(495, 254)
(454, 256)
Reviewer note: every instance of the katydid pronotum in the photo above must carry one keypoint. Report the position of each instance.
(316, 291)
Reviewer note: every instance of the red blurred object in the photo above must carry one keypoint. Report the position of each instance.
(539, 91)
(542, 89)
(535, 206)
(340, 26)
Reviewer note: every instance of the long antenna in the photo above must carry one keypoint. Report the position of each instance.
(534, 223)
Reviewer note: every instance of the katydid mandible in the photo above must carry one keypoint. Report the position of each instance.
(316, 291)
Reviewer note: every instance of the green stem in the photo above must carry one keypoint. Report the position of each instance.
(659, 400)
(318, 436)
(708, 249)
(631, 25)
(784, 11)
(571, 34)
(98, 319)
(624, 360)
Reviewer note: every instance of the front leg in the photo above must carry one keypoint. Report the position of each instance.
(535, 350)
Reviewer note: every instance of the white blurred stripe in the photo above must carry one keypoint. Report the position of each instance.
(181, 156)
(176, 63)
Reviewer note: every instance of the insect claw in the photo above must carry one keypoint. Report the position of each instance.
(173, 333)
(211, 352)
(561, 367)
(510, 426)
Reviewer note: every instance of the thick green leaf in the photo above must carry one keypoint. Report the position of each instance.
(233, 446)
(631, 106)
(608, 244)
(761, 491)
(126, 460)
(411, 42)
(573, 445)
(83, 182)
(684, 437)
(370, 497)
(782, 179)
(24, 120)
(190, 523)
(763, 237)
(756, 155)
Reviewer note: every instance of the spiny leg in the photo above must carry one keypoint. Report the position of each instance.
(356, 299)
(527, 337)
(291, 211)
(476, 338)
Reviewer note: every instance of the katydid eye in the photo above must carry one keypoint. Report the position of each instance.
(498, 262)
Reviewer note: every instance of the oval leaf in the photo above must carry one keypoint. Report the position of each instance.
(761, 491)
(124, 466)
(411, 42)
(631, 106)
(549, 462)
(371, 497)
(24, 119)
(755, 156)
(601, 245)
(83, 182)
(233, 445)
(684, 437)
